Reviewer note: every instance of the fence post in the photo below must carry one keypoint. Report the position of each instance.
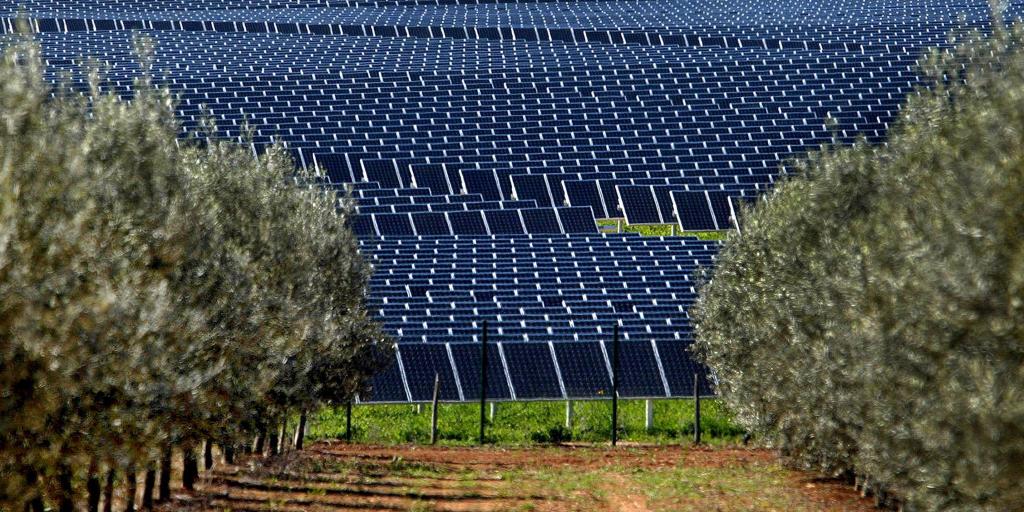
(696, 408)
(348, 421)
(483, 384)
(615, 385)
(649, 415)
(568, 414)
(433, 410)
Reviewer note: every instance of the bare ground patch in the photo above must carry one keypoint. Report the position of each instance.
(341, 477)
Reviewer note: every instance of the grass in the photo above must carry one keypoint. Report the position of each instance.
(521, 423)
(664, 230)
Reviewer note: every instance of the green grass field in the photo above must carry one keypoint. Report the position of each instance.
(664, 230)
(519, 423)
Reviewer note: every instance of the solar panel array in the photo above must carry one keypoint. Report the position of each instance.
(480, 140)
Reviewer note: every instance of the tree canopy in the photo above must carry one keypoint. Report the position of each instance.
(869, 318)
(158, 290)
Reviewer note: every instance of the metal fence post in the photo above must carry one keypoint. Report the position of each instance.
(615, 385)
(483, 384)
(348, 421)
(696, 408)
(433, 410)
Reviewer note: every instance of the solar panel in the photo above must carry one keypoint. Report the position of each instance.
(335, 166)
(639, 205)
(586, 193)
(433, 177)
(640, 376)
(421, 362)
(541, 221)
(532, 371)
(430, 223)
(583, 368)
(362, 226)
(484, 183)
(680, 369)
(504, 222)
(721, 208)
(393, 224)
(384, 172)
(467, 361)
(532, 186)
(693, 210)
(577, 219)
(386, 385)
(467, 223)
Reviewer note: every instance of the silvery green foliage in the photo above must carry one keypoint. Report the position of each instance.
(156, 291)
(870, 317)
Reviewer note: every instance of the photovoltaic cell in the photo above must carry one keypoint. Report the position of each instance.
(504, 222)
(639, 370)
(484, 183)
(382, 171)
(432, 177)
(584, 372)
(532, 186)
(532, 371)
(638, 204)
(335, 166)
(467, 223)
(430, 223)
(386, 385)
(393, 224)
(421, 362)
(540, 221)
(680, 368)
(586, 193)
(467, 361)
(577, 219)
(721, 209)
(693, 211)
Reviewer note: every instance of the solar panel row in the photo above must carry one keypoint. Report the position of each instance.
(479, 139)
(537, 371)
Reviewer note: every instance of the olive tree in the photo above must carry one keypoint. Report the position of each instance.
(869, 319)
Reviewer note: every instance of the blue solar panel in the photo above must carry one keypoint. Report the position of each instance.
(532, 371)
(395, 224)
(504, 222)
(467, 223)
(384, 172)
(586, 193)
(721, 208)
(386, 385)
(541, 221)
(639, 205)
(362, 226)
(532, 186)
(467, 362)
(433, 177)
(693, 211)
(639, 375)
(335, 166)
(680, 369)
(583, 368)
(429, 223)
(577, 219)
(484, 183)
(421, 362)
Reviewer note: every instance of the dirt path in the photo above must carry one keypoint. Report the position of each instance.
(340, 477)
